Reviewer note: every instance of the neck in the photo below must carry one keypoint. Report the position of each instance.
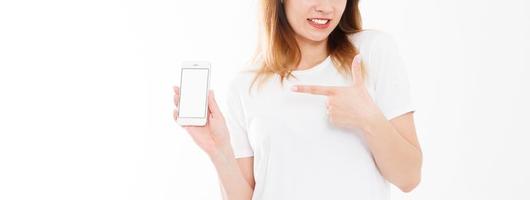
(313, 52)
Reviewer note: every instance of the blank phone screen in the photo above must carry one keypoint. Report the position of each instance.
(193, 92)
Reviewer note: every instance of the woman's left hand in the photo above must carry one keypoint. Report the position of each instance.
(348, 107)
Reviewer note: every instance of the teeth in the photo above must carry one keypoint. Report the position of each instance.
(320, 21)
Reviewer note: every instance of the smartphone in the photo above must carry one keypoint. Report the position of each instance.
(193, 99)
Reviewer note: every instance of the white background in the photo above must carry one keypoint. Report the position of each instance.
(86, 98)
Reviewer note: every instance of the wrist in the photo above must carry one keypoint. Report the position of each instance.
(373, 122)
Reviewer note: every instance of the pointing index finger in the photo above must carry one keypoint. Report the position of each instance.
(314, 89)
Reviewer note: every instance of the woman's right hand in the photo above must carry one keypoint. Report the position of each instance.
(213, 138)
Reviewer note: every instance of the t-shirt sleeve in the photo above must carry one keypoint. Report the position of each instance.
(392, 87)
(236, 124)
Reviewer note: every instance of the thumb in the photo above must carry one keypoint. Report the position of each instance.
(212, 104)
(356, 70)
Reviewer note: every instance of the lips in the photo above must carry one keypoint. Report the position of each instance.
(319, 23)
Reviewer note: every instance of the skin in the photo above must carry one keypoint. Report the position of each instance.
(236, 175)
(393, 142)
(312, 41)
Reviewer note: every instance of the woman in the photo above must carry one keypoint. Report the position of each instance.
(331, 117)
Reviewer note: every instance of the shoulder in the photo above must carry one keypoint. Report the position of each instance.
(372, 41)
(240, 82)
(378, 50)
(376, 47)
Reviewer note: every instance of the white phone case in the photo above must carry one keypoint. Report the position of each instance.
(194, 121)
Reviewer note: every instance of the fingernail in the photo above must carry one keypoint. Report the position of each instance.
(357, 59)
(294, 88)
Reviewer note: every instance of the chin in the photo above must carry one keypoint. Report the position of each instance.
(317, 37)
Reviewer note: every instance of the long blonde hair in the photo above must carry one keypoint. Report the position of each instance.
(278, 52)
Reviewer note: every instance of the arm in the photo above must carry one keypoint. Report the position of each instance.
(393, 143)
(236, 176)
(396, 149)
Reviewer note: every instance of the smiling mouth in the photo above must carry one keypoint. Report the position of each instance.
(319, 21)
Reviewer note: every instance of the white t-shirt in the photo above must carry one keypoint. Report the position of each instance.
(297, 153)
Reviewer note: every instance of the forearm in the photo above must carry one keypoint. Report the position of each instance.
(398, 160)
(233, 183)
